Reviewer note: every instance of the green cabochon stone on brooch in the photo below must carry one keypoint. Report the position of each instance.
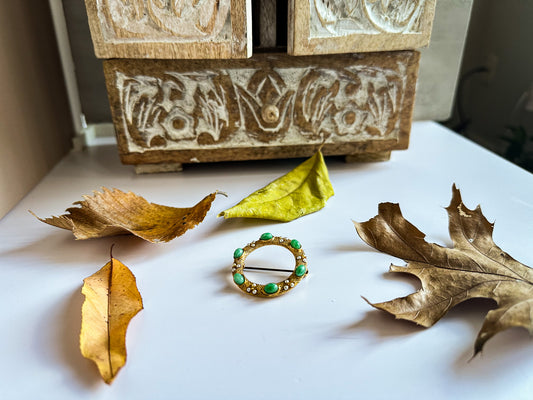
(295, 244)
(271, 288)
(238, 279)
(300, 270)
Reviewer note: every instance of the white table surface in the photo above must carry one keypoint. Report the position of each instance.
(199, 337)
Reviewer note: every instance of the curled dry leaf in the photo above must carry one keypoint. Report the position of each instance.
(474, 268)
(111, 301)
(113, 212)
(302, 191)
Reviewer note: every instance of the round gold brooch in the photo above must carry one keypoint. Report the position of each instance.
(271, 289)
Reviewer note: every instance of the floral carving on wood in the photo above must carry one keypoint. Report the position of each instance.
(330, 18)
(198, 107)
(371, 102)
(216, 109)
(266, 102)
(148, 111)
(315, 103)
(207, 109)
(146, 20)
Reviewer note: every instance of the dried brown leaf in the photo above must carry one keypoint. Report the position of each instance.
(113, 212)
(111, 301)
(474, 268)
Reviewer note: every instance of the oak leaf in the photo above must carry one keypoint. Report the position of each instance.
(111, 301)
(474, 268)
(113, 212)
(302, 191)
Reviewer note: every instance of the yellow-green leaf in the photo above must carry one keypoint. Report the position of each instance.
(111, 301)
(302, 191)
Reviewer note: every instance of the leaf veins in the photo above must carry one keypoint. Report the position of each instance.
(113, 212)
(111, 301)
(474, 268)
(302, 191)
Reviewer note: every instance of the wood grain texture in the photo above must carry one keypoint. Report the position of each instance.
(345, 26)
(165, 29)
(157, 168)
(368, 157)
(267, 23)
(271, 106)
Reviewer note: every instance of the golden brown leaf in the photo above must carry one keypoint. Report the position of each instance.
(111, 301)
(113, 212)
(474, 268)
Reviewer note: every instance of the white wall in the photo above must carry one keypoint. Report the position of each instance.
(35, 123)
(441, 61)
(501, 39)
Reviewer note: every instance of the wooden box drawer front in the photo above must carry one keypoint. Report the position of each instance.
(343, 26)
(170, 29)
(269, 106)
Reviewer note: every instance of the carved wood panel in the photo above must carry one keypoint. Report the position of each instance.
(170, 28)
(197, 110)
(339, 26)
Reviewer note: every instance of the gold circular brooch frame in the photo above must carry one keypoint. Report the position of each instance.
(271, 289)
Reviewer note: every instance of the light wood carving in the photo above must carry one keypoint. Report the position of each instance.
(178, 20)
(170, 28)
(341, 17)
(338, 26)
(268, 102)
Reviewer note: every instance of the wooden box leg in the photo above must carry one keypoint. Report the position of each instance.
(368, 157)
(156, 168)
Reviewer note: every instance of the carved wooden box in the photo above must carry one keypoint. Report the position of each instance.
(181, 92)
(269, 106)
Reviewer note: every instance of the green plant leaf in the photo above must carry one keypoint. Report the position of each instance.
(302, 191)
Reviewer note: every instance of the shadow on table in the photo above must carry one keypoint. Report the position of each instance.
(233, 224)
(510, 347)
(509, 352)
(56, 341)
(355, 247)
(229, 288)
(384, 325)
(60, 247)
(84, 370)
(224, 275)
